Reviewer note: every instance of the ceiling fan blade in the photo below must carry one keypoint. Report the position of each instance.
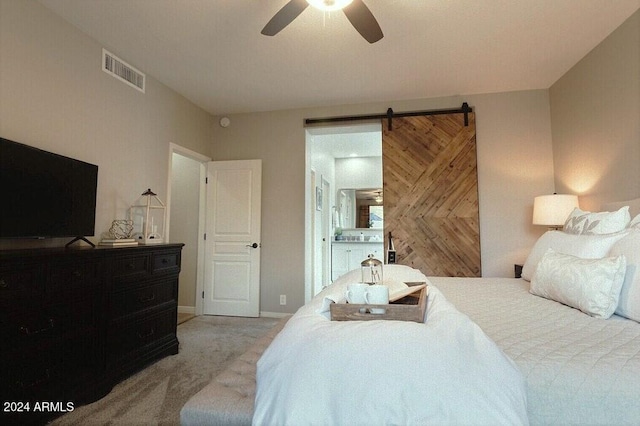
(284, 17)
(363, 21)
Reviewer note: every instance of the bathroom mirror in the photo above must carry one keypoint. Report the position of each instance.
(360, 208)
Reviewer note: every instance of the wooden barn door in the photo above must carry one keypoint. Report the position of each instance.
(431, 193)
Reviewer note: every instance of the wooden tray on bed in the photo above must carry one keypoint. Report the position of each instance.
(409, 305)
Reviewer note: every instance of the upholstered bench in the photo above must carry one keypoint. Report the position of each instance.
(228, 400)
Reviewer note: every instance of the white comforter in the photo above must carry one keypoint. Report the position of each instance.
(580, 370)
(445, 371)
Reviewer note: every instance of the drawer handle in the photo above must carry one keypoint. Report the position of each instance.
(3, 283)
(165, 261)
(30, 332)
(131, 266)
(148, 299)
(146, 335)
(36, 382)
(76, 274)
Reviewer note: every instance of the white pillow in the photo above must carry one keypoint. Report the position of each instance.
(587, 223)
(584, 246)
(629, 303)
(635, 223)
(591, 285)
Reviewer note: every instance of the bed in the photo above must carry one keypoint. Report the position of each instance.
(489, 352)
(578, 369)
(444, 371)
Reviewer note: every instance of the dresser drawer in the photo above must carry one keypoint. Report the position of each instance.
(69, 277)
(52, 324)
(26, 329)
(166, 262)
(131, 268)
(40, 372)
(73, 317)
(26, 375)
(138, 299)
(20, 287)
(136, 338)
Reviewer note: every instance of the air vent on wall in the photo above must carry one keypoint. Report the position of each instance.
(119, 69)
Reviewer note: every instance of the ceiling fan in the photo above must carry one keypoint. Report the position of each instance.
(356, 11)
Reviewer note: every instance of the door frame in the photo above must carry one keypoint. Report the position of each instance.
(319, 234)
(203, 160)
(309, 193)
(327, 191)
(308, 220)
(313, 183)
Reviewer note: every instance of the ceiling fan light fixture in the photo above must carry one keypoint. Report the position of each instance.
(355, 10)
(329, 5)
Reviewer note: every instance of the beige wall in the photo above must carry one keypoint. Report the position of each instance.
(514, 165)
(595, 115)
(54, 96)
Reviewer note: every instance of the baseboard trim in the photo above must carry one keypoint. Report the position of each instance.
(274, 314)
(187, 310)
(192, 310)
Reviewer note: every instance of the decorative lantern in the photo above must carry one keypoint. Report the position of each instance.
(148, 217)
(371, 271)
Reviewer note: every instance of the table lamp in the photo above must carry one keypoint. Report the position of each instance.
(553, 210)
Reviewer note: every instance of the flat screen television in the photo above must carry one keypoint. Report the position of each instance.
(45, 195)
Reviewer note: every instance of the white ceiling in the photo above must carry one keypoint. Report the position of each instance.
(212, 52)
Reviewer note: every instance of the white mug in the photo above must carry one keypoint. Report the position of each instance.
(377, 295)
(355, 292)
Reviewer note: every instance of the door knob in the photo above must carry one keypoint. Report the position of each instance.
(254, 245)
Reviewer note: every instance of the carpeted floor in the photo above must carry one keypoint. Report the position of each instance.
(155, 395)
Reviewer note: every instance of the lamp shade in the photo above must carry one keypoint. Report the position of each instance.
(553, 210)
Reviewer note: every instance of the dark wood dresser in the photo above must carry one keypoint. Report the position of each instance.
(74, 322)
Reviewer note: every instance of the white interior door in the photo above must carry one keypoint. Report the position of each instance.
(232, 247)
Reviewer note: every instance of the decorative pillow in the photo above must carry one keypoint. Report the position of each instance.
(587, 223)
(591, 285)
(584, 246)
(629, 303)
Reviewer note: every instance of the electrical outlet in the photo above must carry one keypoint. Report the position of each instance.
(283, 299)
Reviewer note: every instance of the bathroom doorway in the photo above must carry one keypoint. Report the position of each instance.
(346, 156)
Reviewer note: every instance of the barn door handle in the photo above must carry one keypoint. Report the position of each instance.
(254, 245)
